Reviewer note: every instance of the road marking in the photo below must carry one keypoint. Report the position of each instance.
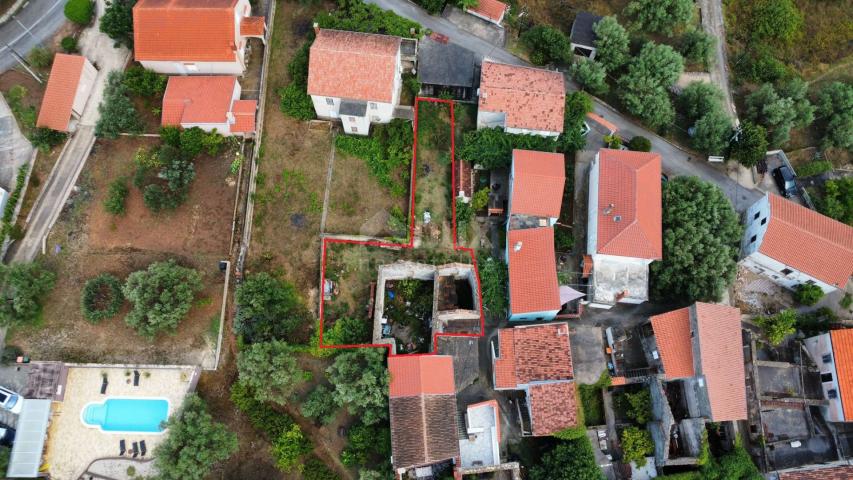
(39, 20)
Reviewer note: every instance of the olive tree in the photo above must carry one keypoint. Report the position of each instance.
(271, 371)
(611, 43)
(161, 296)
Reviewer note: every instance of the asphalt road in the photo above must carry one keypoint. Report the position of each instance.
(34, 24)
(676, 160)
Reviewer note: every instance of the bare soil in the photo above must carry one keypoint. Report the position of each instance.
(87, 241)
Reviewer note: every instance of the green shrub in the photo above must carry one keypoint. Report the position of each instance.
(815, 167)
(493, 284)
(171, 136)
(315, 469)
(546, 45)
(640, 144)
(297, 68)
(262, 417)
(492, 147)
(102, 298)
(161, 296)
(837, 200)
(68, 44)
(777, 327)
(387, 152)
(846, 302)
(296, 103)
(144, 83)
(45, 139)
(434, 7)
(398, 222)
(636, 445)
(817, 322)
(117, 22)
(117, 113)
(320, 405)
(41, 57)
(637, 406)
(80, 11)
(192, 141)
(366, 442)
(808, 294)
(480, 199)
(12, 202)
(114, 203)
(289, 447)
(357, 16)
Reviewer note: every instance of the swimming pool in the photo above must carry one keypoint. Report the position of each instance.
(125, 414)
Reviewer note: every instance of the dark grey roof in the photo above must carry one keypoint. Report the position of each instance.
(582, 33)
(353, 108)
(446, 64)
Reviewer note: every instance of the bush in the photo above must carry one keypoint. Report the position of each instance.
(270, 369)
(45, 139)
(114, 203)
(315, 469)
(366, 443)
(640, 144)
(776, 21)
(161, 296)
(815, 167)
(493, 284)
(102, 298)
(117, 113)
(12, 202)
(348, 331)
(696, 46)
(808, 294)
(68, 44)
(637, 406)
(568, 460)
(433, 7)
(144, 83)
(636, 445)
(492, 147)
(289, 447)
(319, 405)
(23, 286)
(837, 200)
(171, 136)
(357, 16)
(759, 65)
(777, 327)
(117, 22)
(296, 103)
(268, 309)
(262, 417)
(817, 322)
(154, 198)
(80, 11)
(546, 45)
(41, 57)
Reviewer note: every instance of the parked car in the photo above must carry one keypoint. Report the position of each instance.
(7, 436)
(10, 400)
(784, 178)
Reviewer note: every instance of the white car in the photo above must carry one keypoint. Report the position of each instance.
(11, 401)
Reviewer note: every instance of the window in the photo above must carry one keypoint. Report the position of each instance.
(352, 119)
(753, 239)
(764, 220)
(787, 271)
(827, 358)
(330, 101)
(832, 393)
(826, 377)
(757, 214)
(809, 282)
(354, 129)
(373, 106)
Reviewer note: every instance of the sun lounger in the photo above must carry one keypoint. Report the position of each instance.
(136, 378)
(143, 448)
(135, 449)
(122, 448)
(104, 384)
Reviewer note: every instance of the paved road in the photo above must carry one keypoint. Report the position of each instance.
(713, 24)
(676, 160)
(15, 149)
(34, 24)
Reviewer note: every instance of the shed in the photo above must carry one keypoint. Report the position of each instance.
(583, 36)
(30, 436)
(72, 78)
(446, 67)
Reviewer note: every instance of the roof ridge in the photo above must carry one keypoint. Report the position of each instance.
(525, 67)
(493, 87)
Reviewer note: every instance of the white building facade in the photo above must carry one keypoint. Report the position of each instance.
(822, 354)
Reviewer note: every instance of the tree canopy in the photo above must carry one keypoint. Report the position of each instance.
(23, 287)
(270, 370)
(611, 43)
(750, 147)
(161, 296)
(361, 383)
(701, 237)
(569, 460)
(268, 309)
(779, 109)
(835, 104)
(194, 443)
(546, 45)
(661, 16)
(117, 21)
(492, 147)
(837, 199)
(777, 21)
(643, 87)
(699, 98)
(696, 46)
(80, 11)
(777, 327)
(117, 113)
(590, 75)
(712, 133)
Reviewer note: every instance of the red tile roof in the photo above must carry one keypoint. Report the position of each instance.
(533, 354)
(538, 181)
(719, 331)
(55, 111)
(829, 256)
(533, 283)
(492, 9)
(844, 472)
(629, 188)
(674, 342)
(842, 350)
(355, 66)
(421, 375)
(531, 98)
(185, 30)
(599, 120)
(423, 430)
(553, 407)
(252, 26)
(197, 99)
(244, 116)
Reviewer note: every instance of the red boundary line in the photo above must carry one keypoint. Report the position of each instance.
(411, 240)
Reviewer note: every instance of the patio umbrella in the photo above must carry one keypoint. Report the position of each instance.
(567, 294)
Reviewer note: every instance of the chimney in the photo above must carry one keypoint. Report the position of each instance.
(517, 247)
(316, 28)
(608, 209)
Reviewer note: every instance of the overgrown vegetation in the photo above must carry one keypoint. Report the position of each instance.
(568, 460)
(777, 327)
(808, 294)
(357, 16)
(592, 401)
(9, 226)
(268, 309)
(636, 405)
(387, 153)
(117, 113)
(144, 83)
(494, 279)
(270, 369)
(836, 201)
(637, 444)
(102, 298)
(492, 147)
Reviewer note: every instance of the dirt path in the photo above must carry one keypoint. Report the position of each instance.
(848, 65)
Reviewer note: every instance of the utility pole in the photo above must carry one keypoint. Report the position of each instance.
(23, 63)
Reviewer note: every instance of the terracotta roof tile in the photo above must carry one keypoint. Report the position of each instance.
(533, 354)
(423, 430)
(719, 332)
(844, 472)
(533, 285)
(629, 188)
(421, 375)
(185, 30)
(538, 181)
(602, 122)
(55, 111)
(355, 66)
(252, 26)
(553, 407)
(829, 256)
(674, 342)
(842, 349)
(492, 9)
(244, 116)
(531, 98)
(197, 99)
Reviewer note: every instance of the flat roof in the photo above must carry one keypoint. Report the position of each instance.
(29, 439)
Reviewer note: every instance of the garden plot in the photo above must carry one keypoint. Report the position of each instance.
(87, 241)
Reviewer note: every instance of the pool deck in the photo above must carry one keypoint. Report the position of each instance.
(72, 446)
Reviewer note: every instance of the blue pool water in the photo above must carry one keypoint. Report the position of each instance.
(127, 414)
